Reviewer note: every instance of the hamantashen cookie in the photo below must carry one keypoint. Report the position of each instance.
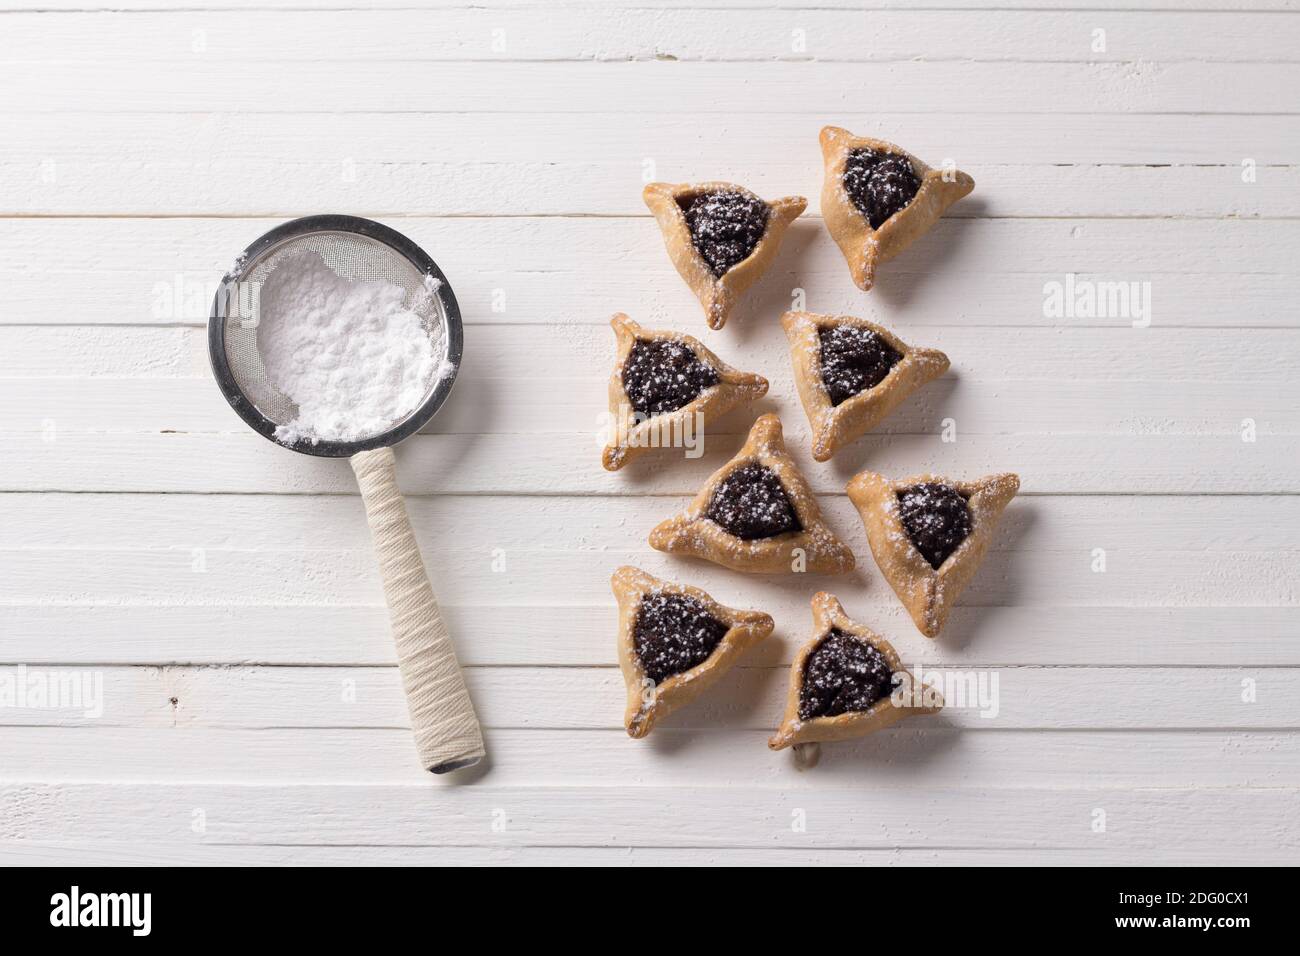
(666, 387)
(721, 237)
(851, 373)
(877, 198)
(756, 513)
(847, 682)
(674, 641)
(929, 535)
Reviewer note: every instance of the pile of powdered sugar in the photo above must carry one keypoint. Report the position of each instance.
(351, 354)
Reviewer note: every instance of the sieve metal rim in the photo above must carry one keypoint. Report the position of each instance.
(295, 229)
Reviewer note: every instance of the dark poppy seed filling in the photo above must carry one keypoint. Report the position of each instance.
(843, 673)
(880, 184)
(674, 633)
(853, 360)
(662, 376)
(751, 504)
(725, 227)
(937, 519)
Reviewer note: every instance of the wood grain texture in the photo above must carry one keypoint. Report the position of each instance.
(908, 758)
(567, 271)
(205, 84)
(470, 163)
(720, 817)
(608, 32)
(489, 464)
(152, 853)
(221, 593)
(504, 353)
(53, 633)
(749, 698)
(520, 5)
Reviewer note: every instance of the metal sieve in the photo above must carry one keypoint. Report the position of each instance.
(447, 732)
(355, 249)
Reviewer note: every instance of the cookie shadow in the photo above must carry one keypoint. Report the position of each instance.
(748, 692)
(1009, 563)
(935, 251)
(773, 294)
(898, 750)
(473, 413)
(929, 407)
(721, 440)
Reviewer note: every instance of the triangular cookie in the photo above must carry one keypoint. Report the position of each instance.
(728, 264)
(756, 513)
(827, 370)
(832, 675)
(933, 507)
(669, 366)
(648, 608)
(865, 245)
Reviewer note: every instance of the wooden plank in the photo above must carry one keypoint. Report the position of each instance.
(555, 698)
(66, 460)
(1077, 698)
(583, 635)
(611, 33)
(163, 248)
(992, 298)
(1098, 355)
(246, 523)
(487, 403)
(898, 757)
(773, 152)
(153, 853)
(798, 5)
(421, 815)
(169, 171)
(970, 272)
(641, 87)
(330, 576)
(241, 187)
(262, 577)
(260, 552)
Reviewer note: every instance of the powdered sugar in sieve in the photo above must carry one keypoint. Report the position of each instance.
(352, 355)
(333, 335)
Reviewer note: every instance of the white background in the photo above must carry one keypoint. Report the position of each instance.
(225, 591)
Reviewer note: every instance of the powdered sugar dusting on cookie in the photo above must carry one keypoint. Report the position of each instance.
(726, 226)
(751, 503)
(674, 633)
(843, 674)
(853, 359)
(937, 519)
(664, 374)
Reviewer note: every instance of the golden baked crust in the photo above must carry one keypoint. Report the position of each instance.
(928, 594)
(694, 534)
(716, 293)
(648, 702)
(837, 425)
(907, 700)
(629, 436)
(864, 247)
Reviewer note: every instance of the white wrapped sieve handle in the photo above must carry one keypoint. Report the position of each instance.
(447, 734)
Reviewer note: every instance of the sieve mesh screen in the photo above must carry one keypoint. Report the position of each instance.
(351, 256)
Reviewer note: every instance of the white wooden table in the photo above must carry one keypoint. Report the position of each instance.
(224, 592)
